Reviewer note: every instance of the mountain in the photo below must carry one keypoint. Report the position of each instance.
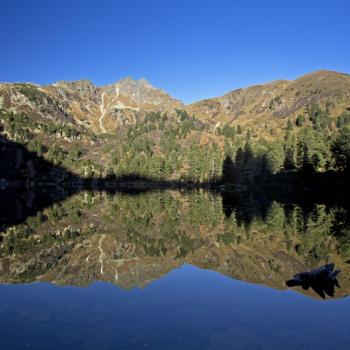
(100, 109)
(131, 127)
(107, 108)
(126, 101)
(277, 100)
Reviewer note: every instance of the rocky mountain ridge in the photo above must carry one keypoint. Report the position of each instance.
(107, 108)
(100, 109)
(278, 99)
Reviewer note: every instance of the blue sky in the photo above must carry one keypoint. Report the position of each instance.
(192, 49)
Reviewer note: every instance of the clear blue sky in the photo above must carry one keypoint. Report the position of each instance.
(192, 49)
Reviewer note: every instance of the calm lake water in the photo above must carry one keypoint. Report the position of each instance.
(169, 270)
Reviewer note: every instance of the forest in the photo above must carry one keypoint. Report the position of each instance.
(161, 147)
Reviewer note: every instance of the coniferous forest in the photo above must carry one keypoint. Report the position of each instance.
(182, 148)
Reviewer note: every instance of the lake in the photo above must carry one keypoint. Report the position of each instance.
(169, 270)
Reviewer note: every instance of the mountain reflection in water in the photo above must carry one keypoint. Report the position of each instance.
(132, 240)
(169, 270)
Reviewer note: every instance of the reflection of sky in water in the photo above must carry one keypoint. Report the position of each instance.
(187, 309)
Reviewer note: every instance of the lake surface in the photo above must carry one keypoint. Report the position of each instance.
(169, 270)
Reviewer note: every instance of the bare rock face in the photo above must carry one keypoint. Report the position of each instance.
(35, 101)
(82, 87)
(78, 99)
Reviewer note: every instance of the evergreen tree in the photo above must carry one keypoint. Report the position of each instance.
(299, 122)
(228, 170)
(275, 157)
(341, 149)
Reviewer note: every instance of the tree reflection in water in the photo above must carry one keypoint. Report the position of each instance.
(148, 234)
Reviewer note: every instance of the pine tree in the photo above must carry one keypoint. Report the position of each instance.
(299, 122)
(341, 149)
(228, 170)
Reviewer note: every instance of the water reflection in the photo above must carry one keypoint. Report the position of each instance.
(132, 240)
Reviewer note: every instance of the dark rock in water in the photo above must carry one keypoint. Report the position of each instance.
(322, 280)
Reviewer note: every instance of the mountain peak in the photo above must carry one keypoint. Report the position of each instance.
(323, 73)
(129, 81)
(141, 91)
